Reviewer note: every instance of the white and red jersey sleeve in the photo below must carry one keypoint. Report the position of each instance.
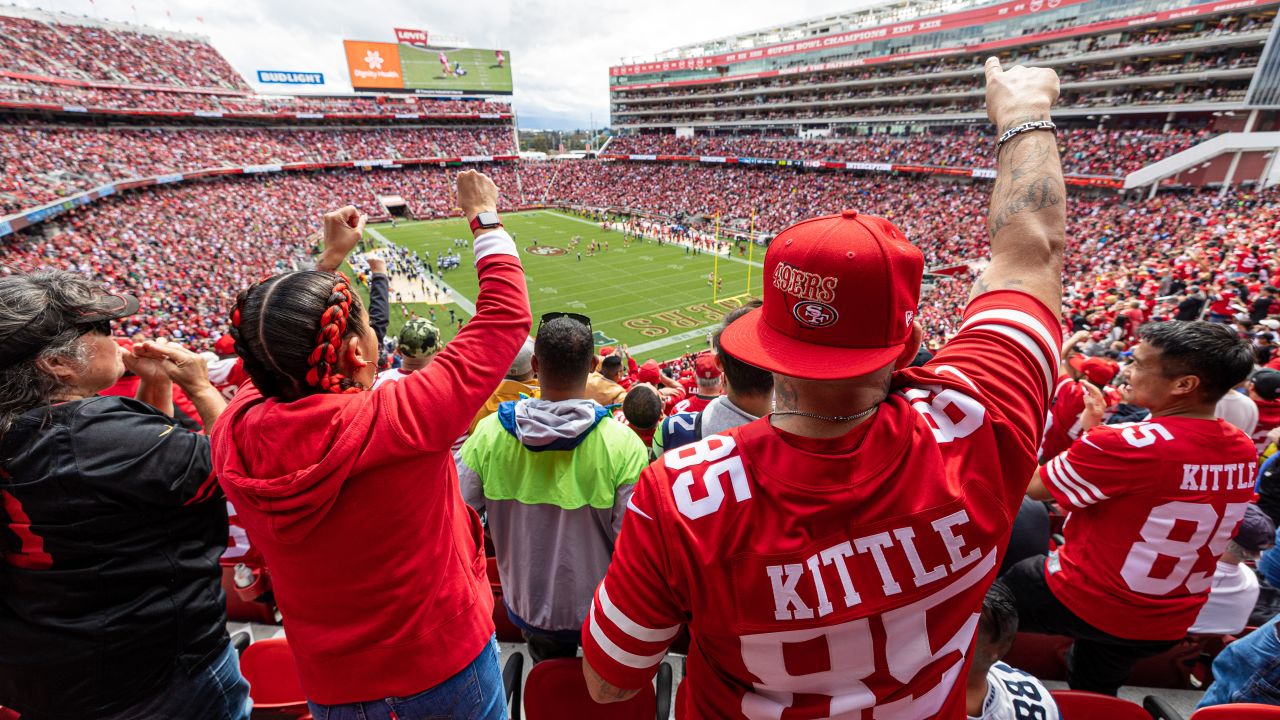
(1153, 505)
(1062, 426)
(227, 375)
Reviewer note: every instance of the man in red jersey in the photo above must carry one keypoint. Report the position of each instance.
(1153, 505)
(708, 376)
(832, 557)
(1264, 390)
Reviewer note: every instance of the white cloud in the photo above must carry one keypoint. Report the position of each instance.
(561, 50)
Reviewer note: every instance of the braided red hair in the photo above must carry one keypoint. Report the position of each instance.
(333, 327)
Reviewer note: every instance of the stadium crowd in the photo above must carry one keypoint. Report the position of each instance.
(114, 96)
(40, 163)
(1085, 151)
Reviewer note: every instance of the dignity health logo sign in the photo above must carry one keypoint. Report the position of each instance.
(290, 77)
(374, 64)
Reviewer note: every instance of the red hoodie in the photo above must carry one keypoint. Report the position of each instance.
(378, 565)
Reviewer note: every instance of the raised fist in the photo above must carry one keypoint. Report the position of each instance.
(1019, 94)
(476, 193)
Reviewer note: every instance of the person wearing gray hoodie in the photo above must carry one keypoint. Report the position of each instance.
(553, 476)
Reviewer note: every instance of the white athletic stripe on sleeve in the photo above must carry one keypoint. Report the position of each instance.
(631, 627)
(1029, 322)
(618, 654)
(949, 369)
(1032, 347)
(1080, 481)
(495, 242)
(1054, 476)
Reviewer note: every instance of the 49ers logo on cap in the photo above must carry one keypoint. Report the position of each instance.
(815, 314)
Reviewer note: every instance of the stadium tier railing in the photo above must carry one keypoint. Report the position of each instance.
(1104, 181)
(32, 216)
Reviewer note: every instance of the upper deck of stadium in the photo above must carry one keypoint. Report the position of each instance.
(922, 62)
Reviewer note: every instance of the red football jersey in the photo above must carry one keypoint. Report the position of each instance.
(227, 375)
(1063, 424)
(1153, 505)
(820, 578)
(691, 404)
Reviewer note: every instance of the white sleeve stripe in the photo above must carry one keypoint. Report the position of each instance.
(495, 242)
(1027, 342)
(631, 627)
(1088, 486)
(1029, 321)
(618, 654)
(1052, 476)
(949, 369)
(1068, 479)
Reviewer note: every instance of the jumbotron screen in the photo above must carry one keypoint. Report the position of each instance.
(391, 66)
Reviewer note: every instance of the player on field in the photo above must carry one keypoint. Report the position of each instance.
(1153, 505)
(444, 63)
(832, 557)
(502, 60)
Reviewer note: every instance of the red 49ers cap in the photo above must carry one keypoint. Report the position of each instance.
(840, 295)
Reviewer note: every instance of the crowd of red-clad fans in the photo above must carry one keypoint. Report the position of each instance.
(108, 96)
(1085, 151)
(95, 52)
(40, 163)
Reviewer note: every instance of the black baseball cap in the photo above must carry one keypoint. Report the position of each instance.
(50, 321)
(1267, 384)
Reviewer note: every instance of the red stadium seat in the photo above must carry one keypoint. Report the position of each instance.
(1075, 704)
(1238, 711)
(1043, 656)
(505, 629)
(273, 679)
(7, 714)
(555, 690)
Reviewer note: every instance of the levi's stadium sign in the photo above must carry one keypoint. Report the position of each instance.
(411, 37)
(290, 77)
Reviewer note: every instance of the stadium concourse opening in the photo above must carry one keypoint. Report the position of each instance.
(268, 365)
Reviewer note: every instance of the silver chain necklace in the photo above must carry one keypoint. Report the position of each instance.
(829, 418)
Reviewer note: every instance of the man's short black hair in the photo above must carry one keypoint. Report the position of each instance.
(564, 348)
(1213, 352)
(642, 406)
(742, 378)
(611, 366)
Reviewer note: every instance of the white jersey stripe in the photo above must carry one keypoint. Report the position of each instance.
(1032, 347)
(1025, 319)
(1090, 487)
(1053, 475)
(629, 626)
(618, 654)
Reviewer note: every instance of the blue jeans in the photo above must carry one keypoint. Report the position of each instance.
(1248, 670)
(475, 693)
(215, 692)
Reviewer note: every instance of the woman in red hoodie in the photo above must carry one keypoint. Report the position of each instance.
(352, 496)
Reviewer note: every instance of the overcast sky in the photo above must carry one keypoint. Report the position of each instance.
(560, 49)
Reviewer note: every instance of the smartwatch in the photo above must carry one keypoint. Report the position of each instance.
(486, 219)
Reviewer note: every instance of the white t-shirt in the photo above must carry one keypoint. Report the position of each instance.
(1016, 695)
(1239, 410)
(1232, 596)
(391, 375)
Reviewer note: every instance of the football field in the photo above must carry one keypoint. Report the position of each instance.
(657, 299)
(422, 69)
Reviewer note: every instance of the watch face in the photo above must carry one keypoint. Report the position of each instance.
(488, 219)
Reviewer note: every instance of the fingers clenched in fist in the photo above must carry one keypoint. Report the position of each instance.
(1019, 94)
(476, 193)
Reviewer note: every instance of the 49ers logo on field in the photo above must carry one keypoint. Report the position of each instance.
(815, 314)
(545, 250)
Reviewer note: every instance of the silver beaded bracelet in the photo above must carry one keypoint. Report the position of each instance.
(1017, 130)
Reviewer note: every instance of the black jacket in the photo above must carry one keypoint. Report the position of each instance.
(111, 527)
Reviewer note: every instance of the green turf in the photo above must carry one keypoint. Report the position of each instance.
(645, 295)
(422, 70)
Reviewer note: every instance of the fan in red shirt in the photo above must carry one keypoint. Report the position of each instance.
(1264, 390)
(1152, 506)
(226, 372)
(709, 386)
(832, 557)
(1064, 422)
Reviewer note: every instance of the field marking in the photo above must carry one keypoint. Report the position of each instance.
(597, 226)
(673, 339)
(458, 298)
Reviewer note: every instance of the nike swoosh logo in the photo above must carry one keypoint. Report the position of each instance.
(631, 505)
(167, 431)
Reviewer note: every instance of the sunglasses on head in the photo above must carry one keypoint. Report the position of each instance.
(557, 315)
(98, 327)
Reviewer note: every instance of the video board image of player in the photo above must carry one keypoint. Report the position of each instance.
(463, 69)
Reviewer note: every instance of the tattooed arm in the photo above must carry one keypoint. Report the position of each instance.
(1027, 219)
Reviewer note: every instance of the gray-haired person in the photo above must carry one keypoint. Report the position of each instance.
(111, 522)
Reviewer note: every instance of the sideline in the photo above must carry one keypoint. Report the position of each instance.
(458, 299)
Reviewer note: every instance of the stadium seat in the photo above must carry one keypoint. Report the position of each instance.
(1043, 656)
(1073, 704)
(1185, 666)
(273, 679)
(512, 676)
(7, 714)
(1238, 711)
(506, 630)
(1160, 709)
(243, 604)
(556, 689)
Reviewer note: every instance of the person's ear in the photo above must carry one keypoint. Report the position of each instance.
(533, 365)
(1185, 385)
(352, 358)
(912, 347)
(62, 369)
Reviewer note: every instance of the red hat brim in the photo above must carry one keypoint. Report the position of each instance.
(751, 340)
